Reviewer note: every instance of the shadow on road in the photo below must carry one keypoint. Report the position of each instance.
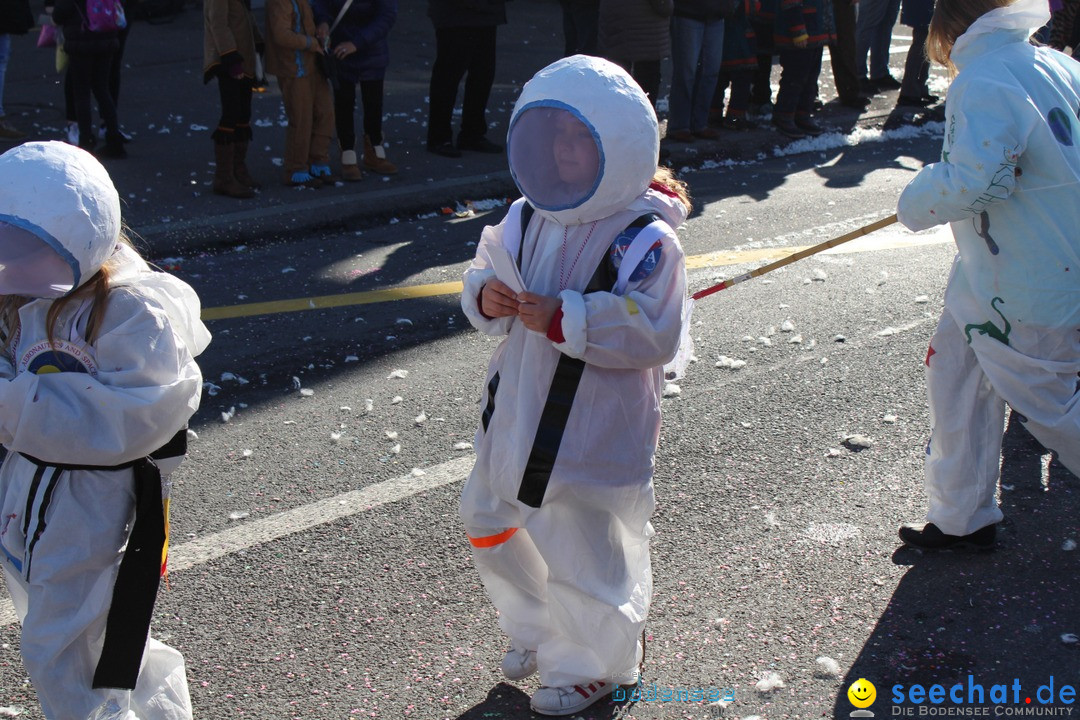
(986, 619)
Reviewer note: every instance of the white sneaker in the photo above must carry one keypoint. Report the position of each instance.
(569, 700)
(518, 664)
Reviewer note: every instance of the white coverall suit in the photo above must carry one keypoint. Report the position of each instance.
(63, 530)
(1009, 184)
(558, 504)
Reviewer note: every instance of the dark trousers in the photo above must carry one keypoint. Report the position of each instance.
(761, 93)
(235, 122)
(741, 82)
(798, 80)
(646, 73)
(371, 100)
(114, 80)
(89, 73)
(461, 51)
(842, 51)
(580, 25)
(916, 67)
(114, 69)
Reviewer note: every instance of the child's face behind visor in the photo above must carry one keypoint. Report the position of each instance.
(29, 267)
(576, 154)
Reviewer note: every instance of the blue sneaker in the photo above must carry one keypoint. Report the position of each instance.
(304, 179)
(323, 173)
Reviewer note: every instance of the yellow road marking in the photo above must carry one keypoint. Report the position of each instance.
(714, 259)
(331, 301)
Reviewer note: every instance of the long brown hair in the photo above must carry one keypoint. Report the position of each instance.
(96, 288)
(665, 177)
(951, 19)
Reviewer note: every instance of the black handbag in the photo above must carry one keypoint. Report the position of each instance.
(327, 63)
(328, 67)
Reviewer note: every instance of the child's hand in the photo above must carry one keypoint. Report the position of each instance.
(497, 300)
(536, 311)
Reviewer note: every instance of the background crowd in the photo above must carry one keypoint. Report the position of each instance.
(331, 57)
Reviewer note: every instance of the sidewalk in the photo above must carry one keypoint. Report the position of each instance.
(164, 105)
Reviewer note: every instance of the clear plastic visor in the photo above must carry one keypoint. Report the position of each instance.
(29, 267)
(555, 158)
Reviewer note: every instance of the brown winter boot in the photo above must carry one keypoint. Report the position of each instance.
(375, 158)
(240, 169)
(350, 171)
(225, 182)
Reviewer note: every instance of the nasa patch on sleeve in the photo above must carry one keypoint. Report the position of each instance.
(45, 358)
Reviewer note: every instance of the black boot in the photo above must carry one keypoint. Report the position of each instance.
(114, 147)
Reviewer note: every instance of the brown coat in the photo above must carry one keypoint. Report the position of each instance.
(635, 30)
(290, 49)
(228, 27)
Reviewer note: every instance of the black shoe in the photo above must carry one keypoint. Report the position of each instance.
(788, 127)
(857, 102)
(808, 126)
(124, 137)
(886, 82)
(911, 101)
(445, 149)
(868, 87)
(929, 537)
(478, 144)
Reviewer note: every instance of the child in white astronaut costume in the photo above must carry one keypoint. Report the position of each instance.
(96, 376)
(1009, 184)
(558, 504)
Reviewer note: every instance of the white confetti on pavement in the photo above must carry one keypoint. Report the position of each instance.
(827, 666)
(770, 681)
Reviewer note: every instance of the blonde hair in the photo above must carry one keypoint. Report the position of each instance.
(951, 19)
(96, 288)
(665, 177)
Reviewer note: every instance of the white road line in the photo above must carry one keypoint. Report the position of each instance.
(204, 549)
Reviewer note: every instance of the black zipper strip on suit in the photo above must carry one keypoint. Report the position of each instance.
(39, 528)
(30, 499)
(563, 389)
(549, 433)
(493, 386)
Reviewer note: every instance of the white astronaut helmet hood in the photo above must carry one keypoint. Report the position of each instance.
(59, 219)
(583, 140)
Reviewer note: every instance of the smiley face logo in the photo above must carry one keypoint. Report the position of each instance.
(862, 693)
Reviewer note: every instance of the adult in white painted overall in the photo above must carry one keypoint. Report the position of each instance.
(97, 382)
(557, 507)
(1009, 184)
